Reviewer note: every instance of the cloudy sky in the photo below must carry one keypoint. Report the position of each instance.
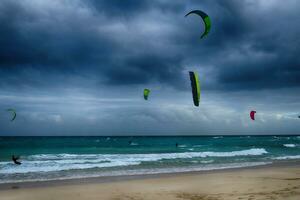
(79, 67)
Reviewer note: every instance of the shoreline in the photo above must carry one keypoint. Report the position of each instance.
(113, 179)
(272, 182)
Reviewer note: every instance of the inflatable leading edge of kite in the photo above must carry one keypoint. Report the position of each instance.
(205, 19)
(195, 87)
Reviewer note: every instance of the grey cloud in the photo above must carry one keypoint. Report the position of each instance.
(114, 49)
(81, 38)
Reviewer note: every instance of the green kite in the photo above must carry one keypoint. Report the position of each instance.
(146, 93)
(195, 87)
(205, 19)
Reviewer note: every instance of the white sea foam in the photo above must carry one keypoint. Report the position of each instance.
(207, 161)
(217, 137)
(287, 157)
(289, 145)
(207, 167)
(150, 157)
(59, 162)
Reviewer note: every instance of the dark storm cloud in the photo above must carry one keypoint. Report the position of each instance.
(33, 38)
(119, 8)
(142, 68)
(64, 41)
(132, 8)
(267, 56)
(251, 45)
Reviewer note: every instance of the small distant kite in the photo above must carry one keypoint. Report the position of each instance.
(13, 112)
(205, 19)
(252, 114)
(146, 93)
(195, 87)
(15, 159)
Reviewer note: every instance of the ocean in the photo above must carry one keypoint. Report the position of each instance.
(53, 158)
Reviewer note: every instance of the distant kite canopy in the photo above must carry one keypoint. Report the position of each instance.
(195, 87)
(252, 114)
(146, 93)
(13, 112)
(205, 19)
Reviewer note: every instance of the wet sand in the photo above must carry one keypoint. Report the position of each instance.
(265, 183)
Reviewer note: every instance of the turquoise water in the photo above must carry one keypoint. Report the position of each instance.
(47, 158)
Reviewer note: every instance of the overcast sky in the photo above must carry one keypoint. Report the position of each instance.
(79, 67)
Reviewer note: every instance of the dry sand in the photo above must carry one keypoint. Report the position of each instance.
(267, 183)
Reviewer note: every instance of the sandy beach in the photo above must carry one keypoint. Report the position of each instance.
(269, 182)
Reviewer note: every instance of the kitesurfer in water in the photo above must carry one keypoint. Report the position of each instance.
(15, 159)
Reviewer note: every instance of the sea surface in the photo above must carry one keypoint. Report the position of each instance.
(53, 158)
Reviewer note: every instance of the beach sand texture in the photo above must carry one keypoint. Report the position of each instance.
(268, 183)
